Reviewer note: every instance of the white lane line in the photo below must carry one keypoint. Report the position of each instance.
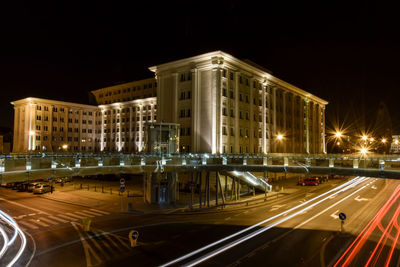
(100, 211)
(66, 217)
(24, 206)
(28, 225)
(276, 207)
(48, 221)
(89, 251)
(57, 219)
(75, 215)
(39, 222)
(110, 240)
(334, 215)
(84, 214)
(92, 212)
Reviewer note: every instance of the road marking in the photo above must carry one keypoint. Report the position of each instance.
(58, 219)
(92, 212)
(89, 251)
(276, 207)
(100, 211)
(112, 241)
(334, 216)
(373, 187)
(28, 225)
(84, 214)
(361, 199)
(75, 215)
(32, 214)
(66, 217)
(246, 212)
(24, 206)
(227, 218)
(39, 222)
(48, 221)
(331, 197)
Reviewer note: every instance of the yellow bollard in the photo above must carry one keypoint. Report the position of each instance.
(86, 224)
(133, 237)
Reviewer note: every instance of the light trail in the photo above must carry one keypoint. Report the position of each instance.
(339, 189)
(249, 236)
(17, 231)
(376, 224)
(5, 237)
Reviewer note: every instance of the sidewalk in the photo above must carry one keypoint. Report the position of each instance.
(105, 195)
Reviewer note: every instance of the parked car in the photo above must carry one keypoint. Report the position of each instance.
(309, 181)
(41, 188)
(9, 185)
(22, 187)
(32, 186)
(15, 185)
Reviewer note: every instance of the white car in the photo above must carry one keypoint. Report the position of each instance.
(41, 188)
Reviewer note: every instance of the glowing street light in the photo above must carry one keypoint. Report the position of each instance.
(384, 140)
(371, 139)
(364, 138)
(65, 147)
(364, 151)
(279, 136)
(338, 134)
(31, 133)
(396, 142)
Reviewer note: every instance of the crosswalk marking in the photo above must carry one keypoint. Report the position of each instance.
(66, 217)
(75, 215)
(100, 211)
(58, 219)
(48, 221)
(28, 225)
(83, 214)
(39, 222)
(93, 213)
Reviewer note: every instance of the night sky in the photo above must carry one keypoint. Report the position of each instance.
(346, 54)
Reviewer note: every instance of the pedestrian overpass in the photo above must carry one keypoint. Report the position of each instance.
(25, 167)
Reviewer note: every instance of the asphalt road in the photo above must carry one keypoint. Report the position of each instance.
(302, 228)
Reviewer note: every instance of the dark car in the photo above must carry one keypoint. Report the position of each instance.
(15, 185)
(22, 187)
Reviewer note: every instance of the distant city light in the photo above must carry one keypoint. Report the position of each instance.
(371, 139)
(65, 146)
(364, 137)
(384, 140)
(338, 134)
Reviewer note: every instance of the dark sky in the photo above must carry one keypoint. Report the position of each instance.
(345, 53)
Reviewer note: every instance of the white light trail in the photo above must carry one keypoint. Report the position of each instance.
(17, 231)
(355, 180)
(249, 236)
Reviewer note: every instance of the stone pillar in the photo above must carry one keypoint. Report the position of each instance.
(331, 163)
(355, 163)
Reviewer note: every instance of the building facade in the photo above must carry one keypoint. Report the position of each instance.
(395, 145)
(222, 104)
(225, 105)
(126, 92)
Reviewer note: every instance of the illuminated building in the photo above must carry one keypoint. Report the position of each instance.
(222, 105)
(395, 145)
(226, 105)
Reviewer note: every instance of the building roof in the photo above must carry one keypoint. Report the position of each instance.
(222, 59)
(35, 100)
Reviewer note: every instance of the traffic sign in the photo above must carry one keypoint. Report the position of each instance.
(122, 188)
(122, 181)
(342, 216)
(133, 236)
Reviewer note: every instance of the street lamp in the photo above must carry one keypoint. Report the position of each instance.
(384, 140)
(279, 137)
(364, 138)
(65, 146)
(338, 134)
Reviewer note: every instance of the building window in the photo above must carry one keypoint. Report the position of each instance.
(38, 127)
(240, 79)
(188, 113)
(241, 97)
(231, 76)
(240, 132)
(54, 109)
(183, 77)
(38, 117)
(247, 99)
(224, 73)
(247, 116)
(54, 118)
(224, 92)
(224, 111)
(188, 131)
(189, 76)
(38, 107)
(231, 94)
(189, 95)
(182, 96)
(240, 115)
(224, 130)
(232, 132)
(247, 82)
(232, 113)
(54, 129)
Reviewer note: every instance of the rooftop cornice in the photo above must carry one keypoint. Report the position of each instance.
(222, 59)
(35, 100)
(136, 101)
